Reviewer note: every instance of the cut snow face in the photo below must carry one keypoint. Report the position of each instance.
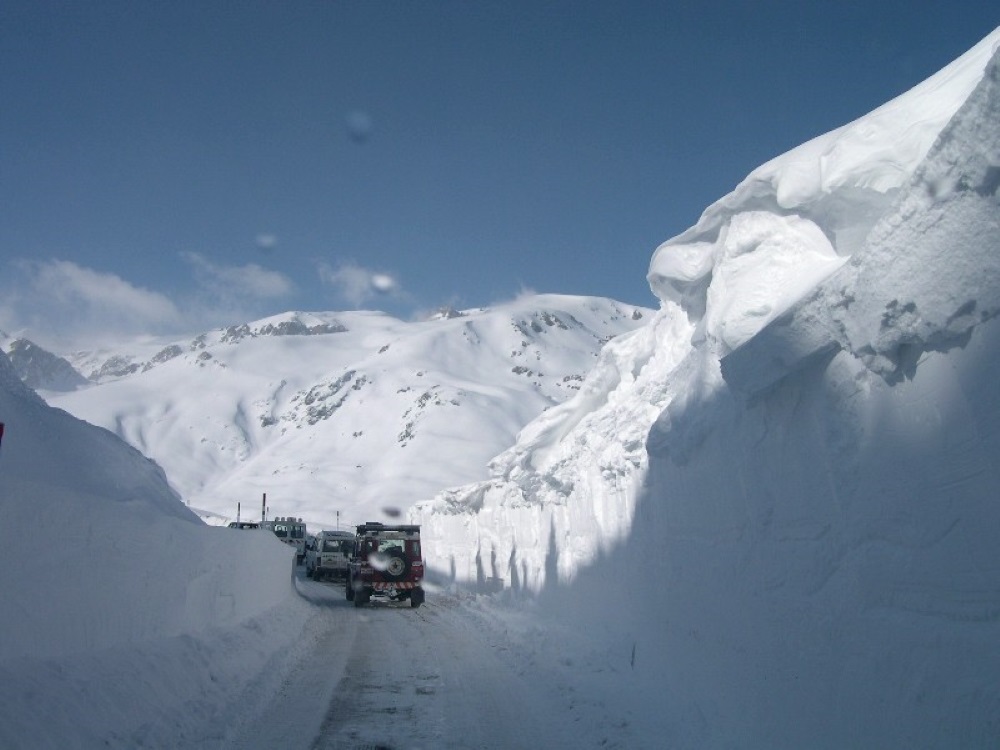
(48, 447)
(840, 183)
(90, 527)
(789, 478)
(928, 274)
(755, 255)
(118, 605)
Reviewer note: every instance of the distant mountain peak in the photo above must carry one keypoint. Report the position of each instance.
(294, 326)
(41, 369)
(446, 312)
(386, 411)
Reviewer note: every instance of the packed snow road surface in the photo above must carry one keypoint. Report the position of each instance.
(450, 674)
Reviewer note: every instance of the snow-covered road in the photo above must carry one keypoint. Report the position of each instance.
(451, 674)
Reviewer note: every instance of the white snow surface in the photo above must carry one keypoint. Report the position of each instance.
(767, 518)
(147, 628)
(111, 588)
(785, 489)
(348, 412)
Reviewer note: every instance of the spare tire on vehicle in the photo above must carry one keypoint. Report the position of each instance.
(396, 567)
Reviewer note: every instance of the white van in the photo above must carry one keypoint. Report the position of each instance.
(292, 531)
(329, 556)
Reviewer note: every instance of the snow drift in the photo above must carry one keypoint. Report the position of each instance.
(104, 573)
(785, 486)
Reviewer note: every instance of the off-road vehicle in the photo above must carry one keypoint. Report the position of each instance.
(329, 556)
(386, 562)
(292, 531)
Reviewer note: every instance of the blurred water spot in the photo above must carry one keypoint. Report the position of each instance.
(359, 126)
(266, 241)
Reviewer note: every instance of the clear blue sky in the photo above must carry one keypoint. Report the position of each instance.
(244, 158)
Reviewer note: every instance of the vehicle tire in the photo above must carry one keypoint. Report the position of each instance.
(349, 591)
(396, 568)
(416, 597)
(361, 598)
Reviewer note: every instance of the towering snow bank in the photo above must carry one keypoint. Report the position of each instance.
(928, 274)
(568, 482)
(47, 447)
(822, 561)
(787, 482)
(835, 485)
(97, 549)
(754, 255)
(838, 184)
(119, 607)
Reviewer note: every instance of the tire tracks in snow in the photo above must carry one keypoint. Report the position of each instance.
(431, 678)
(291, 699)
(443, 676)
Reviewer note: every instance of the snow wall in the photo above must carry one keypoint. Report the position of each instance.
(783, 493)
(99, 551)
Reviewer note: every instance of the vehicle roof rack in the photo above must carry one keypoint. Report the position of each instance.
(373, 527)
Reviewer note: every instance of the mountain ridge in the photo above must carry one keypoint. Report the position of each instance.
(357, 392)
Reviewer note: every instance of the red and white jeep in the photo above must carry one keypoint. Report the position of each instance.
(386, 562)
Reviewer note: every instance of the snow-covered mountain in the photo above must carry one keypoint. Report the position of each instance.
(41, 369)
(773, 503)
(350, 412)
(785, 486)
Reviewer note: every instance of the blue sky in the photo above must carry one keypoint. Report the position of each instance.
(172, 166)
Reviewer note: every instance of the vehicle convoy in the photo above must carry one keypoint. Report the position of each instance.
(328, 556)
(292, 531)
(385, 562)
